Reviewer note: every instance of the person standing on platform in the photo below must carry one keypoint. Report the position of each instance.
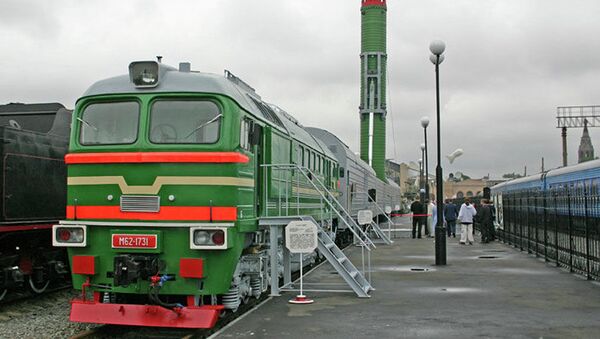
(450, 214)
(485, 221)
(417, 211)
(493, 228)
(465, 215)
(427, 218)
(433, 219)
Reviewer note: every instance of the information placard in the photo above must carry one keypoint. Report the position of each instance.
(365, 217)
(301, 236)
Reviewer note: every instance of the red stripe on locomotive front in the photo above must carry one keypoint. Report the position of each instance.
(155, 157)
(203, 213)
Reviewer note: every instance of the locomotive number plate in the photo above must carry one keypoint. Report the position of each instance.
(134, 241)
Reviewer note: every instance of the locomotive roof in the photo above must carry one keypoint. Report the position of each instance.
(173, 80)
(329, 139)
(185, 81)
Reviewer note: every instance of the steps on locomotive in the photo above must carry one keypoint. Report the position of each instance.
(334, 255)
(381, 233)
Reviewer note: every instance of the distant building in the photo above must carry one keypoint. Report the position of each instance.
(468, 187)
(392, 171)
(586, 150)
(406, 176)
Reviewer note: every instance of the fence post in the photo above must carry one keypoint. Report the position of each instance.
(536, 200)
(570, 231)
(527, 219)
(545, 221)
(521, 220)
(587, 231)
(556, 228)
(513, 215)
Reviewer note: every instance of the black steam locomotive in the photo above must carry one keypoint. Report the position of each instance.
(33, 141)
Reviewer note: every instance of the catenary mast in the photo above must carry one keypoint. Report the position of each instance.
(373, 62)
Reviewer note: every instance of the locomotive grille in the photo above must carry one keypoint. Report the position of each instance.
(140, 203)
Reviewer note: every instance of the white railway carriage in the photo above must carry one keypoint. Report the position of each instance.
(359, 184)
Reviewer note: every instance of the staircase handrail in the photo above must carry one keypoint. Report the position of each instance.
(355, 228)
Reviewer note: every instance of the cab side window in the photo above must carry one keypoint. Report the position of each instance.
(245, 129)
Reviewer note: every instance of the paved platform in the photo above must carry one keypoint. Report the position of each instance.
(512, 296)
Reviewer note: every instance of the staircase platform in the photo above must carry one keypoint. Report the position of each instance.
(513, 295)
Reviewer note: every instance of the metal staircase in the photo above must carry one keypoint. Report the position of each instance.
(327, 197)
(376, 228)
(381, 234)
(353, 277)
(326, 245)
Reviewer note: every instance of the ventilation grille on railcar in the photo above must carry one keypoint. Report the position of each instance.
(140, 203)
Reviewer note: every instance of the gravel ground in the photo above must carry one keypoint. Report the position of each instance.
(46, 316)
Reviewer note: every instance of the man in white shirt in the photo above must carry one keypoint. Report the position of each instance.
(465, 215)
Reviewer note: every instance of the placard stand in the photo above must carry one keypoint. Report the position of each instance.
(301, 298)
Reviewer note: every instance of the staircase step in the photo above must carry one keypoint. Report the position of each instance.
(353, 274)
(342, 260)
(329, 245)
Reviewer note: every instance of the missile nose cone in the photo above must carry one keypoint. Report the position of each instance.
(366, 3)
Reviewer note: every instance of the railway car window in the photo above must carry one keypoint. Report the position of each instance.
(109, 123)
(184, 122)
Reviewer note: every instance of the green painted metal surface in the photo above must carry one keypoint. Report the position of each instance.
(373, 84)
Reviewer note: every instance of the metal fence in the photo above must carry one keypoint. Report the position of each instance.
(562, 225)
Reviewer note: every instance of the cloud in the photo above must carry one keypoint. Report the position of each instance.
(508, 65)
(33, 19)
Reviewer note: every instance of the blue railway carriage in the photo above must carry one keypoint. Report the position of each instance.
(555, 214)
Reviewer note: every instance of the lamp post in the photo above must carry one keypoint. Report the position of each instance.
(437, 48)
(425, 123)
(421, 191)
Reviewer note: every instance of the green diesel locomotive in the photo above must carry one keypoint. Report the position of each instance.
(169, 172)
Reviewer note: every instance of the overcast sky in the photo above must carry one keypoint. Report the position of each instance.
(509, 64)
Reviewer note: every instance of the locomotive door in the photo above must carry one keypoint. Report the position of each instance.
(259, 160)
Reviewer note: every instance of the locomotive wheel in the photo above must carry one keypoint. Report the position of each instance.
(38, 288)
(3, 294)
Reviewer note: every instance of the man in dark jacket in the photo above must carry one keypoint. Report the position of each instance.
(417, 210)
(450, 214)
(486, 221)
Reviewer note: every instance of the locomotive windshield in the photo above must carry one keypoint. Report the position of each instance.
(109, 123)
(184, 122)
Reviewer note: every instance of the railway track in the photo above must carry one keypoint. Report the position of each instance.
(23, 294)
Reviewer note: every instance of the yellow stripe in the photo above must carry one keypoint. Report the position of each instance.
(159, 182)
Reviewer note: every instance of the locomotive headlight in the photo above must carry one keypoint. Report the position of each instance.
(208, 238)
(144, 73)
(69, 236)
(202, 238)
